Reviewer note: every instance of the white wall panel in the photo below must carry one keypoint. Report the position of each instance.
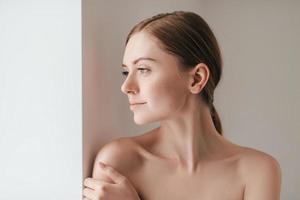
(40, 100)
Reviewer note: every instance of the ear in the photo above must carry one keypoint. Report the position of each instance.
(199, 75)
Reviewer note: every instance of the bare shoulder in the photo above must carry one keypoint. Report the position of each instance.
(253, 159)
(121, 154)
(261, 173)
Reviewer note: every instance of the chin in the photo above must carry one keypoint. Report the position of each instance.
(142, 120)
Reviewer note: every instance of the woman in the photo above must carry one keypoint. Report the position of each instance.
(172, 65)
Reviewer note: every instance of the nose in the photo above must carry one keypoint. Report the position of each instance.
(129, 86)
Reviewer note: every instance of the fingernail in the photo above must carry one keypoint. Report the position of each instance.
(102, 164)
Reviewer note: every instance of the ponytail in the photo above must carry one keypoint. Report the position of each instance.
(216, 119)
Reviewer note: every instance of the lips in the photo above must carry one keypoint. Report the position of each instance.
(136, 103)
(134, 106)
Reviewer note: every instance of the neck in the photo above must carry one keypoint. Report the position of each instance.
(190, 138)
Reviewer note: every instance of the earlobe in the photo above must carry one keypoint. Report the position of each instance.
(196, 83)
(195, 87)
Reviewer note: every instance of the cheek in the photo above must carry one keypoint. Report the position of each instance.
(167, 95)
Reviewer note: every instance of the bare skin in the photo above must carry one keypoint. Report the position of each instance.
(234, 173)
(216, 176)
(186, 157)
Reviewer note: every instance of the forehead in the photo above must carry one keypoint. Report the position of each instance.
(142, 44)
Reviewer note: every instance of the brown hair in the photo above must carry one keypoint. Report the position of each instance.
(189, 38)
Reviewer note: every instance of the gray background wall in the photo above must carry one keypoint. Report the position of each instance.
(40, 100)
(258, 98)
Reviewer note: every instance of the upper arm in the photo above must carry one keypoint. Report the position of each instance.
(118, 154)
(262, 178)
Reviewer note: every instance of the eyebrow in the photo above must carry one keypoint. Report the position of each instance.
(139, 59)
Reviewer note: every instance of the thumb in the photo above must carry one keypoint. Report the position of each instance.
(115, 176)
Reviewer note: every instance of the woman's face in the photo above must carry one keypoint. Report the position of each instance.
(158, 83)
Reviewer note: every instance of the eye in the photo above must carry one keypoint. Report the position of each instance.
(124, 73)
(143, 71)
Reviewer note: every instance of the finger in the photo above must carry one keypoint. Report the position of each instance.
(112, 173)
(92, 183)
(89, 193)
(100, 174)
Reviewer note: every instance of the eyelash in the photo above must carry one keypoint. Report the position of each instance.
(125, 73)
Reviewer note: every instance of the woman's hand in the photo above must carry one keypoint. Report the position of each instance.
(119, 188)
